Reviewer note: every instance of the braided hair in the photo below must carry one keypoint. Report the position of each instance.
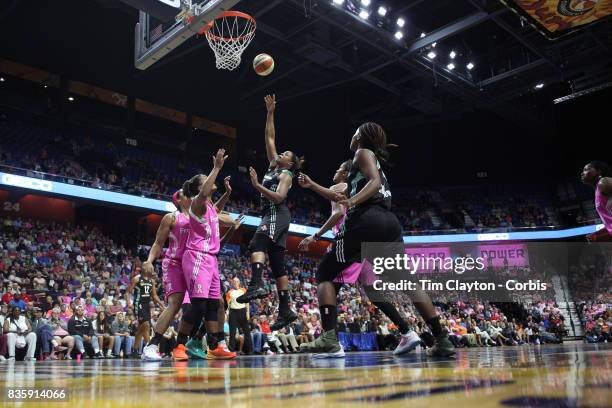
(373, 137)
(298, 162)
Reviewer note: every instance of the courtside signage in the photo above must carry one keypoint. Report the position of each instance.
(26, 182)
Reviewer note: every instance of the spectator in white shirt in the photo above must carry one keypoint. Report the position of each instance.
(19, 335)
(496, 333)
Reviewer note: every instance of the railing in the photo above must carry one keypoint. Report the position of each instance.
(589, 222)
(79, 182)
(478, 230)
(149, 194)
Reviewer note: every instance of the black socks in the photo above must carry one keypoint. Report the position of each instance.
(329, 317)
(181, 339)
(157, 338)
(283, 304)
(434, 325)
(211, 340)
(256, 273)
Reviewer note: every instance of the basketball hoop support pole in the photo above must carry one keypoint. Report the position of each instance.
(145, 57)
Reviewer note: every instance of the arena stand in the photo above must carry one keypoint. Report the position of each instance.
(55, 266)
(38, 146)
(58, 266)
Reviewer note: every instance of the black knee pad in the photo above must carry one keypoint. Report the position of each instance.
(191, 314)
(212, 306)
(199, 304)
(277, 262)
(185, 308)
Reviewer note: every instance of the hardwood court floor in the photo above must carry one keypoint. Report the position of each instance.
(568, 375)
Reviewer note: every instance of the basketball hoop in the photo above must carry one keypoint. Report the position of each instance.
(228, 35)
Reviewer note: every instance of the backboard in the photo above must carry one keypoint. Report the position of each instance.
(155, 38)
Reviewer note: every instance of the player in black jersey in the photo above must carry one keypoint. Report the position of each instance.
(271, 235)
(357, 273)
(369, 219)
(144, 289)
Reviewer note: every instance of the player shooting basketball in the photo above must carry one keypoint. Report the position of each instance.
(271, 235)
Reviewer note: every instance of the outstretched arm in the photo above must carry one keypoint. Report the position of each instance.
(333, 219)
(226, 219)
(206, 188)
(270, 134)
(220, 204)
(327, 193)
(230, 231)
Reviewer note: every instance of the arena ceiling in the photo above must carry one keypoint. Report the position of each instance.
(327, 56)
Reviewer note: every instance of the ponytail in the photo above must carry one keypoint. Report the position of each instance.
(185, 187)
(175, 199)
(191, 187)
(298, 163)
(373, 137)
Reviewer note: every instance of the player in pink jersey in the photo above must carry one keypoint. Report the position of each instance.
(193, 348)
(359, 271)
(598, 175)
(200, 256)
(199, 330)
(175, 228)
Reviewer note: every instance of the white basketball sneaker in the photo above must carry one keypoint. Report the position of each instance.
(408, 342)
(224, 346)
(151, 353)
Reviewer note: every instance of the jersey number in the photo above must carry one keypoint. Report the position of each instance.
(383, 190)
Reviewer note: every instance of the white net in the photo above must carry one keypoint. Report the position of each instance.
(228, 36)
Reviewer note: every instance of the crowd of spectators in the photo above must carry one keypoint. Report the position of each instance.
(590, 281)
(509, 214)
(95, 162)
(596, 318)
(590, 276)
(63, 294)
(66, 159)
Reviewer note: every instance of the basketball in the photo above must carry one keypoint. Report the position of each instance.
(263, 64)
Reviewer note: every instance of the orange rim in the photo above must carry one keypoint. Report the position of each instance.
(230, 13)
